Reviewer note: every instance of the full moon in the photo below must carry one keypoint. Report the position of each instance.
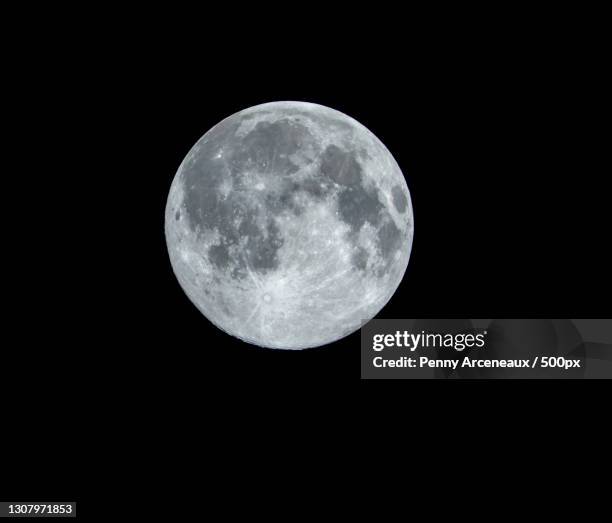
(289, 225)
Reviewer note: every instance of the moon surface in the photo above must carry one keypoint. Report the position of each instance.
(289, 225)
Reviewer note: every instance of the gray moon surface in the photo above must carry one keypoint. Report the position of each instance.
(289, 225)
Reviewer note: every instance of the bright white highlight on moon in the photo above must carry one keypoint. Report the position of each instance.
(289, 225)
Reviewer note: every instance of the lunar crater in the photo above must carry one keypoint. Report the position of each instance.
(288, 225)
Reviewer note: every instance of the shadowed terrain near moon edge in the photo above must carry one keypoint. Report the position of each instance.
(289, 225)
